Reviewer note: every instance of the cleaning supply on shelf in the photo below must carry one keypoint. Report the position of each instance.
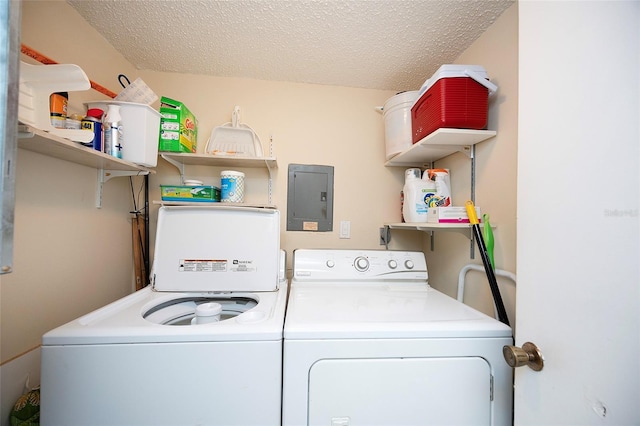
(93, 122)
(58, 103)
(416, 191)
(232, 186)
(441, 197)
(113, 131)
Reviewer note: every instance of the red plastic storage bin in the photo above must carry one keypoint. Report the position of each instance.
(457, 96)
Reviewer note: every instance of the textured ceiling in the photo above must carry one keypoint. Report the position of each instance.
(376, 44)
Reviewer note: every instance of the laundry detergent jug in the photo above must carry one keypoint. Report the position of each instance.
(416, 192)
(441, 197)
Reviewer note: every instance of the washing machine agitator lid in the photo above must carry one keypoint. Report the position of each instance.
(216, 248)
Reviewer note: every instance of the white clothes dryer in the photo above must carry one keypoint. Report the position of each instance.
(202, 345)
(368, 342)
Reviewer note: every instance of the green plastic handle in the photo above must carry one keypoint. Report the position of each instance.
(487, 234)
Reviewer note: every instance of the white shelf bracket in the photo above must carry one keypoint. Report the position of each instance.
(106, 175)
(178, 165)
(466, 149)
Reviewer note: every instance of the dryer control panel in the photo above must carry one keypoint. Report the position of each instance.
(358, 265)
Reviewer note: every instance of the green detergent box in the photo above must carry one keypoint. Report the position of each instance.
(178, 127)
(200, 193)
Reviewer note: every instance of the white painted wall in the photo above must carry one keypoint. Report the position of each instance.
(495, 190)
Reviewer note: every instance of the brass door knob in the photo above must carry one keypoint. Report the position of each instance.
(528, 355)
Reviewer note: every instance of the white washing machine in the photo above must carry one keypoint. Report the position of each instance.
(202, 345)
(368, 342)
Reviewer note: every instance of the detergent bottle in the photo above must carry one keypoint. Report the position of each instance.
(416, 191)
(441, 197)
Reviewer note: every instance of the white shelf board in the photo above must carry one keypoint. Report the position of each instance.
(438, 145)
(36, 140)
(220, 160)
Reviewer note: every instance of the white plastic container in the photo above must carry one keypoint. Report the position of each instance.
(416, 192)
(142, 127)
(396, 113)
(231, 186)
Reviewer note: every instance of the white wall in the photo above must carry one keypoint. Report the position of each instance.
(69, 257)
(495, 189)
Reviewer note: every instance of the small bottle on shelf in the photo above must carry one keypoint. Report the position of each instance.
(113, 131)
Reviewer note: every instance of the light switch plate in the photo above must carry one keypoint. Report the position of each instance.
(345, 229)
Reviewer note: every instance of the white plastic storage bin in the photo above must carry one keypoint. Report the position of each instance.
(140, 126)
(397, 122)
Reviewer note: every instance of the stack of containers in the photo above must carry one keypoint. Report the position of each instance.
(456, 96)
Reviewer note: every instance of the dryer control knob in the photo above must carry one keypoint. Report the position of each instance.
(393, 264)
(409, 264)
(331, 263)
(361, 264)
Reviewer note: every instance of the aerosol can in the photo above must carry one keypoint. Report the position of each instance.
(113, 131)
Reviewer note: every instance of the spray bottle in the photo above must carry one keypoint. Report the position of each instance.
(442, 194)
(113, 131)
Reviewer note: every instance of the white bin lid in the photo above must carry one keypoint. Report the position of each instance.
(216, 248)
(476, 72)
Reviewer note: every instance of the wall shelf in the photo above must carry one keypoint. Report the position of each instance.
(37, 140)
(462, 228)
(438, 145)
(433, 147)
(42, 142)
(181, 159)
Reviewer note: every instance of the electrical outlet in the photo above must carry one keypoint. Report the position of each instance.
(345, 229)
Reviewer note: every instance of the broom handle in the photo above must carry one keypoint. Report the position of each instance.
(493, 283)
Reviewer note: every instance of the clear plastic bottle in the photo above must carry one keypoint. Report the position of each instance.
(113, 131)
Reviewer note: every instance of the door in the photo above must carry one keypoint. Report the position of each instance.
(578, 212)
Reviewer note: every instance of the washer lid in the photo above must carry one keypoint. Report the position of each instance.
(216, 248)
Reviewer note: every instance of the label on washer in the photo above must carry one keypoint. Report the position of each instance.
(239, 265)
(202, 265)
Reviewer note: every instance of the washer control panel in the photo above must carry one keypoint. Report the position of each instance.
(358, 265)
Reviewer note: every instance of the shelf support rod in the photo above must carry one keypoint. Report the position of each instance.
(266, 162)
(472, 253)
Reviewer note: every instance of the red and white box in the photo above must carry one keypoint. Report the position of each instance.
(450, 215)
(456, 96)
